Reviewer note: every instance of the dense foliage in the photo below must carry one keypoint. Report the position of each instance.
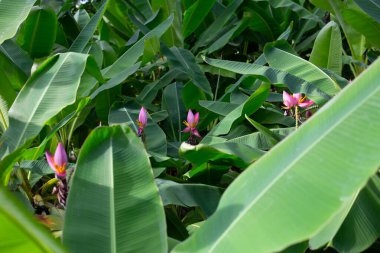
(189, 126)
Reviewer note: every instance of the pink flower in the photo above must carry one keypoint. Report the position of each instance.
(191, 123)
(59, 161)
(295, 100)
(142, 121)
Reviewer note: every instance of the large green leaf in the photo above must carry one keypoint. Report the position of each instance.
(302, 183)
(274, 76)
(12, 14)
(114, 204)
(194, 15)
(52, 87)
(20, 232)
(38, 32)
(290, 63)
(327, 50)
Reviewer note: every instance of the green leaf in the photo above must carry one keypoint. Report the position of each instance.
(149, 92)
(185, 61)
(173, 36)
(327, 50)
(12, 79)
(271, 136)
(37, 102)
(363, 24)
(237, 115)
(371, 7)
(221, 108)
(225, 38)
(301, 11)
(4, 118)
(273, 76)
(12, 14)
(212, 31)
(51, 88)
(173, 104)
(195, 15)
(362, 225)
(87, 32)
(237, 154)
(290, 63)
(131, 56)
(20, 232)
(189, 195)
(113, 185)
(260, 140)
(18, 56)
(296, 188)
(38, 32)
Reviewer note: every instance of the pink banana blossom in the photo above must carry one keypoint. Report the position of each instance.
(294, 100)
(58, 162)
(142, 121)
(191, 123)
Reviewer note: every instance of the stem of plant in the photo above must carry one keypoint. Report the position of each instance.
(297, 116)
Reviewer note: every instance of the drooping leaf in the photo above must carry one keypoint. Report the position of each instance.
(290, 63)
(278, 199)
(113, 185)
(274, 76)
